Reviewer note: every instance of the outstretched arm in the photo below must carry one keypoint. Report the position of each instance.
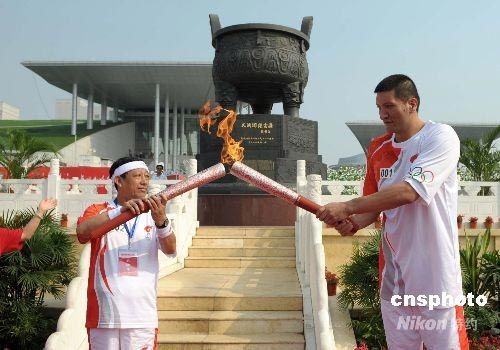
(32, 225)
(350, 226)
(388, 198)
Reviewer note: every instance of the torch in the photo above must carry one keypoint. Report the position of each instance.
(202, 178)
(232, 154)
(270, 186)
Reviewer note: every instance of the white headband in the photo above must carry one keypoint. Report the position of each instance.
(122, 169)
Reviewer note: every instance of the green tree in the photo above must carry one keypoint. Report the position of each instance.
(46, 264)
(481, 157)
(19, 153)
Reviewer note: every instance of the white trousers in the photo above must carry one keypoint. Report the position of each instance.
(410, 327)
(122, 338)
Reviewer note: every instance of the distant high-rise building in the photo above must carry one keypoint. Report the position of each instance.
(63, 109)
(8, 112)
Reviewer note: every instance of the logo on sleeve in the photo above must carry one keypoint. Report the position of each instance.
(417, 173)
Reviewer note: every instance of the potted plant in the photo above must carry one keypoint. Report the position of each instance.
(64, 220)
(331, 282)
(473, 222)
(460, 219)
(488, 222)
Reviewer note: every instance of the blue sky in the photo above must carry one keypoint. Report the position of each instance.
(449, 48)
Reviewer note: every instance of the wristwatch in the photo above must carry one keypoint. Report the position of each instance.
(165, 224)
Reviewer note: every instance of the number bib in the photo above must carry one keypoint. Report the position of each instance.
(386, 173)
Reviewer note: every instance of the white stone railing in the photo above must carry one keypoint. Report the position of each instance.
(182, 211)
(471, 202)
(71, 332)
(310, 255)
(21, 194)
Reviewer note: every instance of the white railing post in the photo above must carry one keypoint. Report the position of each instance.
(306, 233)
(314, 225)
(71, 332)
(53, 183)
(315, 271)
(299, 237)
(324, 330)
(314, 193)
(192, 168)
(314, 186)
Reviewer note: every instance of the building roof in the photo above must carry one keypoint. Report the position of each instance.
(366, 131)
(131, 85)
(355, 160)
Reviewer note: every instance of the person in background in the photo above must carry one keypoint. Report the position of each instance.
(11, 240)
(159, 174)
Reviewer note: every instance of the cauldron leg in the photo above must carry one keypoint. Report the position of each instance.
(262, 108)
(226, 94)
(292, 98)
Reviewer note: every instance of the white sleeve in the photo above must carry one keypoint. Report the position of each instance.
(436, 161)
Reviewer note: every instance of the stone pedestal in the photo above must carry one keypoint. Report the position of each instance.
(244, 210)
(273, 143)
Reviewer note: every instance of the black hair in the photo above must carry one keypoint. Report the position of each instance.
(119, 162)
(404, 88)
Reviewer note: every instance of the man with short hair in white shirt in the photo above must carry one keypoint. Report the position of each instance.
(412, 179)
(159, 174)
(123, 271)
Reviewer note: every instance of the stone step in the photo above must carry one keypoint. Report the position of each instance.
(245, 231)
(243, 242)
(276, 341)
(230, 322)
(239, 262)
(230, 303)
(240, 252)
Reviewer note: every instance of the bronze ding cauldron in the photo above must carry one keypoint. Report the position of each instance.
(260, 64)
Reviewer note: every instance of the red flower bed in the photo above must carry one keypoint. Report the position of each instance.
(485, 343)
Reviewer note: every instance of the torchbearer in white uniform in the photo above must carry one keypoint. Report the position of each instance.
(412, 179)
(123, 272)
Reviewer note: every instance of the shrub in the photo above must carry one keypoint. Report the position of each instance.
(359, 279)
(481, 276)
(346, 173)
(46, 264)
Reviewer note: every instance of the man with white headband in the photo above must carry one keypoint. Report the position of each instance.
(123, 272)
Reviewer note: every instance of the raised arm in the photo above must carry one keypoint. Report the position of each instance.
(32, 225)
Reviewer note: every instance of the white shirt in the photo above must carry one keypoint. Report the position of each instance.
(115, 301)
(420, 239)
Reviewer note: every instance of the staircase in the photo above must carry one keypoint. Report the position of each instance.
(239, 290)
